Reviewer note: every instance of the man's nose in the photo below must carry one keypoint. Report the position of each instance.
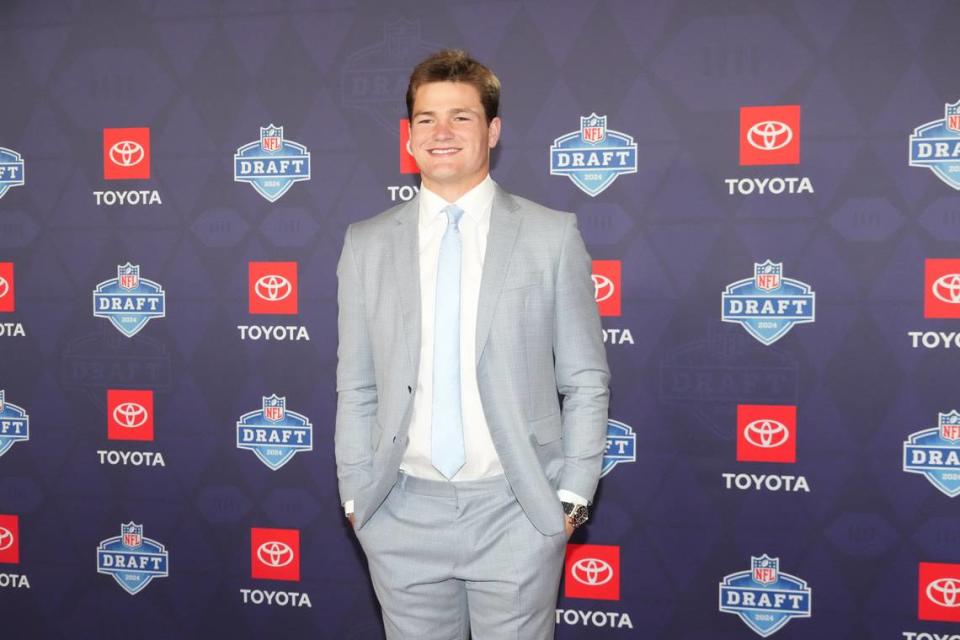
(443, 131)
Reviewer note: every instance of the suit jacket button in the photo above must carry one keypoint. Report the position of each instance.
(409, 389)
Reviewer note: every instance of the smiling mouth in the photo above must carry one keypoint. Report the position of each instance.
(443, 152)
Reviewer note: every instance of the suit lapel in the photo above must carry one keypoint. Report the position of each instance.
(504, 225)
(406, 260)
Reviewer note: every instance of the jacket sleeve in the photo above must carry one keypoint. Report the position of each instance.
(582, 373)
(356, 379)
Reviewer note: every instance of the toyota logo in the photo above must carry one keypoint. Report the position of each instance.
(273, 288)
(945, 592)
(126, 153)
(769, 135)
(4, 287)
(947, 288)
(275, 554)
(602, 287)
(130, 415)
(766, 434)
(592, 572)
(6, 538)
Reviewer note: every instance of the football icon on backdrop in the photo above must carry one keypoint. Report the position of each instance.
(770, 135)
(272, 288)
(126, 153)
(275, 554)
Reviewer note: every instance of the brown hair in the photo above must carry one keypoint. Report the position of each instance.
(455, 65)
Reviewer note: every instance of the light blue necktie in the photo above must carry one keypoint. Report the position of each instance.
(446, 436)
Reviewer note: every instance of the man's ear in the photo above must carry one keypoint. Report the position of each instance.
(494, 132)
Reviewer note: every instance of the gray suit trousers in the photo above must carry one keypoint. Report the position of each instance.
(449, 559)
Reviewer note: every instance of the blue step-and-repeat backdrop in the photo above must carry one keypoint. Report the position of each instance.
(768, 189)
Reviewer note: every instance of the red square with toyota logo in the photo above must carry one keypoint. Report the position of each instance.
(592, 571)
(126, 153)
(941, 290)
(606, 286)
(766, 433)
(129, 414)
(7, 299)
(275, 554)
(273, 288)
(770, 135)
(407, 163)
(9, 539)
(939, 592)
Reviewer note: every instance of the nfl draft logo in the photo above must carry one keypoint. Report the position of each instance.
(132, 559)
(11, 170)
(14, 424)
(764, 597)
(128, 300)
(768, 305)
(621, 446)
(594, 156)
(935, 453)
(274, 433)
(271, 164)
(936, 145)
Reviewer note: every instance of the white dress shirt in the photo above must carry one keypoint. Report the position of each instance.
(481, 456)
(482, 460)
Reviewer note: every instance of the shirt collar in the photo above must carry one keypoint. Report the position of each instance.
(475, 203)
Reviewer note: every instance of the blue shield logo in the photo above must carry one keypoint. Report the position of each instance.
(935, 453)
(936, 145)
(271, 164)
(764, 597)
(128, 300)
(14, 424)
(621, 446)
(593, 156)
(11, 170)
(768, 305)
(132, 559)
(274, 433)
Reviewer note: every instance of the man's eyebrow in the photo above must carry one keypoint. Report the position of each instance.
(451, 110)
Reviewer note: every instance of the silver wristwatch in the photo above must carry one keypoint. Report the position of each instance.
(577, 513)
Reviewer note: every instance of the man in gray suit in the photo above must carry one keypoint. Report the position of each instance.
(464, 314)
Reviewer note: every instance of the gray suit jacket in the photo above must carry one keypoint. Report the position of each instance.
(538, 333)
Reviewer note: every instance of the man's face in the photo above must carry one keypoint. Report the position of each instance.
(450, 138)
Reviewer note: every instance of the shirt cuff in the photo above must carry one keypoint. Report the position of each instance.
(570, 496)
(348, 508)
